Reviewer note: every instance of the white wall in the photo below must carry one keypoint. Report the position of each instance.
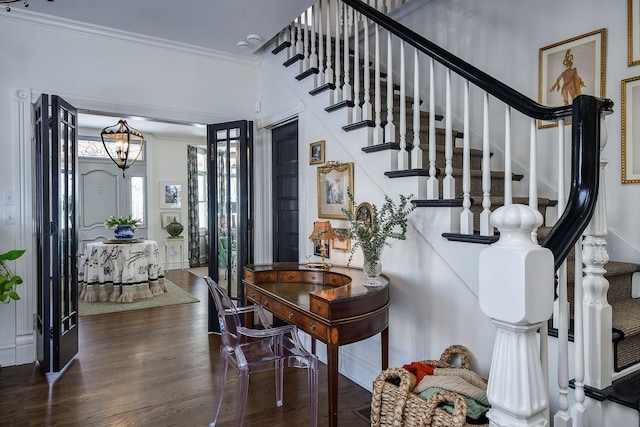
(104, 71)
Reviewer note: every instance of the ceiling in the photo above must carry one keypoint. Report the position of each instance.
(216, 25)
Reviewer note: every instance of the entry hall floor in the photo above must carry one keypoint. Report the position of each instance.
(158, 367)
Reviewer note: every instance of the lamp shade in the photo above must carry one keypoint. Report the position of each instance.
(123, 144)
(322, 230)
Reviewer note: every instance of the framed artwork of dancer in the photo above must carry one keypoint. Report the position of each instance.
(571, 68)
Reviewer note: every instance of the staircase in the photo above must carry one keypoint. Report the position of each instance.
(445, 155)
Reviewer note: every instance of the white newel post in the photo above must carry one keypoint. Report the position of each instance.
(516, 292)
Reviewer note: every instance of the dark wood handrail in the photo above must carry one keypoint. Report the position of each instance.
(585, 111)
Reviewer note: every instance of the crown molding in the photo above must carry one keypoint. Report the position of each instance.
(86, 29)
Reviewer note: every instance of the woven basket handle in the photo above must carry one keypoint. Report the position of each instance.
(376, 399)
(461, 351)
(459, 416)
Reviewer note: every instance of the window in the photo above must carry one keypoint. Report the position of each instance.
(203, 217)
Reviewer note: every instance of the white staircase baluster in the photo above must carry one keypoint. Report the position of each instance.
(448, 183)
(299, 43)
(508, 193)
(292, 38)
(533, 168)
(578, 408)
(378, 135)
(321, 78)
(338, 90)
(402, 155)
(366, 106)
(357, 109)
(389, 128)
(466, 216)
(433, 190)
(313, 55)
(485, 226)
(305, 42)
(328, 72)
(416, 152)
(346, 88)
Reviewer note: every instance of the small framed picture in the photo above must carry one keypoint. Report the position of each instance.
(341, 243)
(321, 248)
(170, 195)
(334, 182)
(633, 32)
(571, 68)
(316, 153)
(631, 130)
(169, 217)
(364, 215)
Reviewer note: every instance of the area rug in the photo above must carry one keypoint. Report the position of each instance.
(174, 295)
(199, 271)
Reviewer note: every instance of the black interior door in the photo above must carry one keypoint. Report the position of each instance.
(284, 142)
(229, 154)
(56, 190)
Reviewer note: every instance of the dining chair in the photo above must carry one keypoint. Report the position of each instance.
(251, 350)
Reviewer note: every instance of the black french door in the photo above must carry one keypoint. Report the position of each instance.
(55, 163)
(229, 153)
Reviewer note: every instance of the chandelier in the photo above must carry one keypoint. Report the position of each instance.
(123, 144)
(25, 3)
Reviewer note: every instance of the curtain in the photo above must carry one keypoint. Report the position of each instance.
(194, 223)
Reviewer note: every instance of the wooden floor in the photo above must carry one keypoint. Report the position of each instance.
(158, 367)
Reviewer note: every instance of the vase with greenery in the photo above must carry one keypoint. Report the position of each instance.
(8, 280)
(124, 226)
(387, 222)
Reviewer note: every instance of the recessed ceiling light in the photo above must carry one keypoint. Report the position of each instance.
(253, 38)
(242, 44)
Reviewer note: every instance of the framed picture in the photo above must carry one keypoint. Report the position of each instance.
(631, 130)
(570, 68)
(341, 243)
(170, 195)
(316, 153)
(364, 214)
(321, 248)
(169, 217)
(334, 181)
(633, 31)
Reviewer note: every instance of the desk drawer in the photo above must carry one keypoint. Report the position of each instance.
(313, 277)
(289, 276)
(279, 309)
(314, 328)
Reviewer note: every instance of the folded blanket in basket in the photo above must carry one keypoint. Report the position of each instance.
(468, 384)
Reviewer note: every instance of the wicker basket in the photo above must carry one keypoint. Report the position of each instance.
(394, 404)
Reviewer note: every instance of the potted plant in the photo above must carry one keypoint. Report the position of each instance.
(8, 280)
(124, 226)
(370, 227)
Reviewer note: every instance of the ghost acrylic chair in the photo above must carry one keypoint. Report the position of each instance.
(251, 350)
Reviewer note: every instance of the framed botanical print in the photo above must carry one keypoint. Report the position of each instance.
(631, 130)
(335, 180)
(316, 153)
(571, 68)
(341, 243)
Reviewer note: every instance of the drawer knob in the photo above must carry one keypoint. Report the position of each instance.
(313, 326)
(290, 315)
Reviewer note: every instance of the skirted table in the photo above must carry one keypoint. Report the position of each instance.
(121, 272)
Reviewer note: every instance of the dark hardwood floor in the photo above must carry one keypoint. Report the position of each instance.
(158, 367)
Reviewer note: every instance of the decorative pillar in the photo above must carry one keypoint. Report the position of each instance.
(516, 292)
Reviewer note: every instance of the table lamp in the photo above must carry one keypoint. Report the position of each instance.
(322, 230)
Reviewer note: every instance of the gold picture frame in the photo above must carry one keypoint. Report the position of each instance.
(341, 243)
(633, 32)
(364, 214)
(334, 181)
(630, 118)
(316, 153)
(570, 68)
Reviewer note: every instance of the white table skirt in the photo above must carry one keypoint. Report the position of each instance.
(121, 272)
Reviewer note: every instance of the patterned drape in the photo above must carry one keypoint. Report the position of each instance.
(194, 224)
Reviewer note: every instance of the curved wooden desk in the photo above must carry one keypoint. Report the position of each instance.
(330, 305)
